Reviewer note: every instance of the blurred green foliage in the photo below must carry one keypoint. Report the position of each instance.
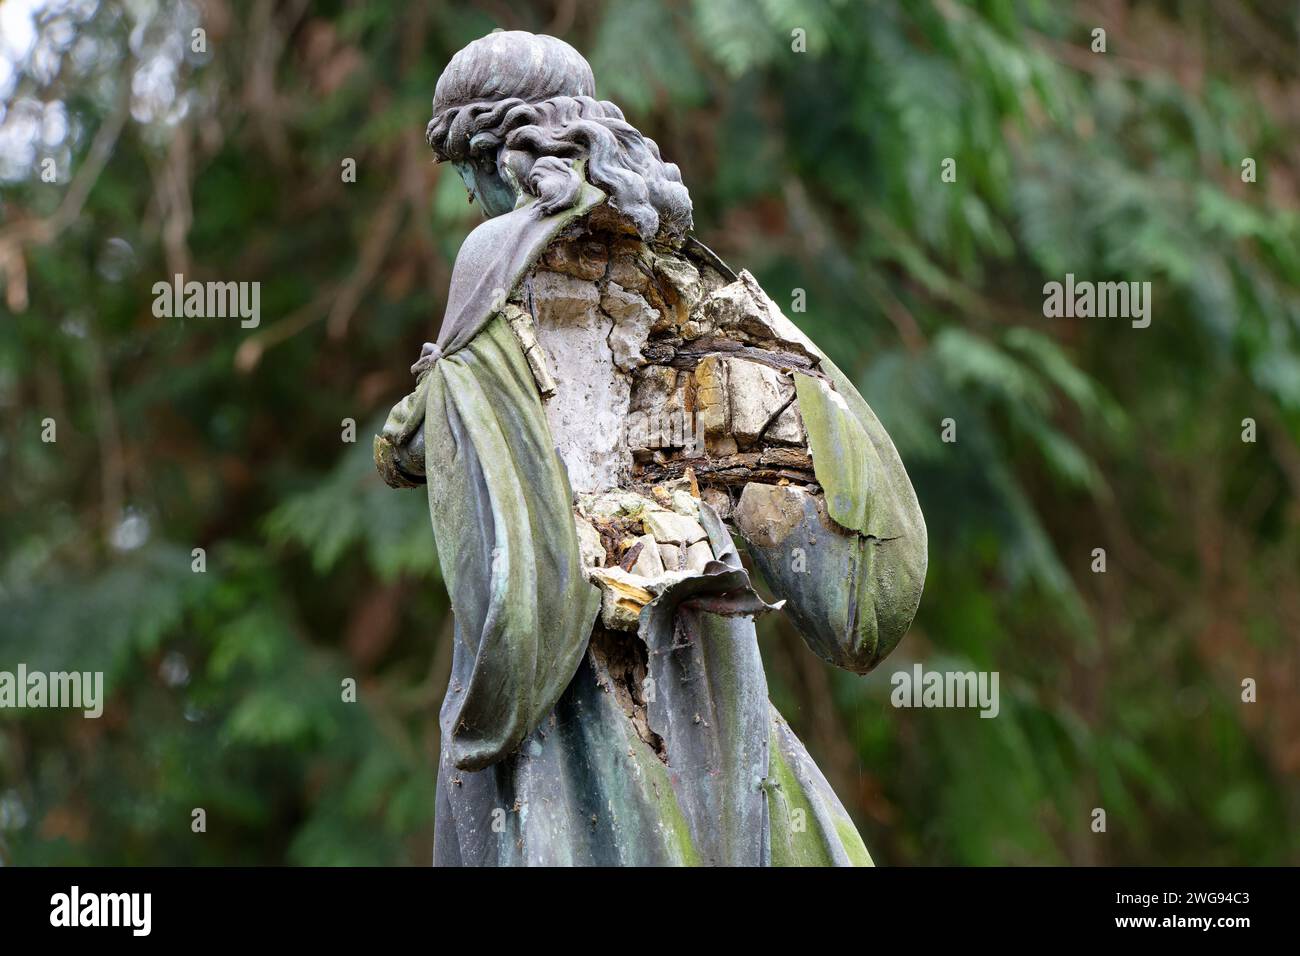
(818, 169)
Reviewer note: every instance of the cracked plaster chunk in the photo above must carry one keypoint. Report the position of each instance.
(682, 276)
(744, 306)
(678, 288)
(684, 503)
(590, 549)
(612, 504)
(563, 300)
(766, 514)
(656, 389)
(633, 318)
(788, 427)
(718, 500)
(698, 555)
(629, 269)
(739, 305)
(756, 394)
(521, 323)
(671, 556)
(672, 528)
(649, 563)
(622, 596)
(711, 396)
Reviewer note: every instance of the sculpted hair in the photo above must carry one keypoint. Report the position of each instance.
(533, 94)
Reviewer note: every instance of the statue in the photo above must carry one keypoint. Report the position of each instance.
(606, 403)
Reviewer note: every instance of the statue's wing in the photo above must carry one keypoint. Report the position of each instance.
(503, 522)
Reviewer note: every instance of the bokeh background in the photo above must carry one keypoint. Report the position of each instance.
(818, 170)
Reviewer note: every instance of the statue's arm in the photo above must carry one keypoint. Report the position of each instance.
(849, 558)
(786, 449)
(399, 447)
(507, 544)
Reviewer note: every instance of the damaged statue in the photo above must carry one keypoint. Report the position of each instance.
(606, 405)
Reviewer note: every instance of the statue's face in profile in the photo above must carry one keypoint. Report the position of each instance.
(487, 186)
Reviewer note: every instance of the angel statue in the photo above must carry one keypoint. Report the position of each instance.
(606, 405)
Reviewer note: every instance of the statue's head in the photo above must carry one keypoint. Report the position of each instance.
(514, 112)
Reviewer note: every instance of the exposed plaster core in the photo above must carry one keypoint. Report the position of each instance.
(646, 544)
(632, 317)
(591, 394)
(664, 385)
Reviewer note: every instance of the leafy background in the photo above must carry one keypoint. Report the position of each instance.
(818, 170)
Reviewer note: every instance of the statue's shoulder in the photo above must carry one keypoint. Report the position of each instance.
(604, 250)
(493, 258)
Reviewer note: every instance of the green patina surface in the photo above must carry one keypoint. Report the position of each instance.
(808, 828)
(843, 458)
(851, 840)
(499, 502)
(785, 796)
(642, 799)
(867, 488)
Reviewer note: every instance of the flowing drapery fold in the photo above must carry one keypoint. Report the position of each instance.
(500, 505)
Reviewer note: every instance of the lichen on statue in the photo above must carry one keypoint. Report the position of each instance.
(606, 404)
